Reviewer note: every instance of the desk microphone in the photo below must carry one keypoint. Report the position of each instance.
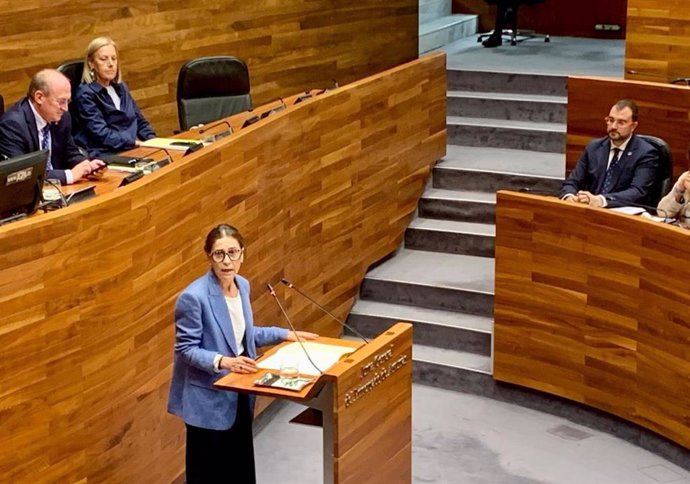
(272, 292)
(214, 125)
(165, 150)
(303, 97)
(277, 109)
(49, 203)
(325, 90)
(193, 148)
(342, 323)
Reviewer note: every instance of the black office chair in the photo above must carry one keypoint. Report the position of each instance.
(664, 179)
(510, 20)
(2, 105)
(212, 88)
(73, 70)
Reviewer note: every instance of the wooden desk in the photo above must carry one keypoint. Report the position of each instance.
(593, 306)
(320, 191)
(112, 177)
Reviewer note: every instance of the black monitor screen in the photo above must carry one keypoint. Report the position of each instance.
(21, 183)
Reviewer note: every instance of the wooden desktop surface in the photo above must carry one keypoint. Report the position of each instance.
(245, 382)
(320, 191)
(592, 305)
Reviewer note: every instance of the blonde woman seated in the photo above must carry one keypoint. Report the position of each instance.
(110, 118)
(677, 202)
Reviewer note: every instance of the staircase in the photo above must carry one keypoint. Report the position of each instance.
(439, 27)
(504, 131)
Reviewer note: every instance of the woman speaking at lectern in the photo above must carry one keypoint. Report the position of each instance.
(215, 335)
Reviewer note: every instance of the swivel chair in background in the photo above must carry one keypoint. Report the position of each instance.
(507, 24)
(2, 105)
(664, 175)
(212, 88)
(73, 71)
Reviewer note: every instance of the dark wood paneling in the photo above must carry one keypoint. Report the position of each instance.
(664, 112)
(320, 191)
(592, 305)
(556, 17)
(657, 47)
(290, 45)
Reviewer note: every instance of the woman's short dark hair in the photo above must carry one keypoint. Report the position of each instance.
(220, 231)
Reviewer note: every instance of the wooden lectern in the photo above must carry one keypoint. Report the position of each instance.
(363, 403)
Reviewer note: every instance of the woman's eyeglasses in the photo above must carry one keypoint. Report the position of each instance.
(233, 254)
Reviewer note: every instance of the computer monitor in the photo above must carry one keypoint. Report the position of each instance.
(21, 183)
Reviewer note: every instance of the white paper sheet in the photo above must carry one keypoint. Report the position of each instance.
(323, 355)
(629, 210)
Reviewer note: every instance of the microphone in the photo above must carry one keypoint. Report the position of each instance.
(249, 121)
(193, 148)
(272, 292)
(303, 97)
(214, 125)
(48, 203)
(274, 110)
(165, 150)
(335, 86)
(342, 323)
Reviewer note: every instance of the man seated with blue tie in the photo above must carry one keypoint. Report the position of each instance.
(617, 170)
(40, 121)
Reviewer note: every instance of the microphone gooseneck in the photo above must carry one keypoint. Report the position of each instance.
(272, 292)
(63, 200)
(342, 323)
(213, 125)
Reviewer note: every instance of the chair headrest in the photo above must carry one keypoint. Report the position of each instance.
(213, 77)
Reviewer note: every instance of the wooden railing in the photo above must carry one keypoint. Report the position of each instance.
(320, 191)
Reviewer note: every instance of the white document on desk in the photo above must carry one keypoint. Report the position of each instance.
(323, 355)
(629, 210)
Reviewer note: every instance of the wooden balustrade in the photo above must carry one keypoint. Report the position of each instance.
(320, 191)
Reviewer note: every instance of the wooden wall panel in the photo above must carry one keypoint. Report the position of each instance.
(664, 112)
(657, 46)
(289, 45)
(556, 17)
(320, 191)
(592, 305)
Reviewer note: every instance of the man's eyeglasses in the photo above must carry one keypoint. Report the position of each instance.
(233, 254)
(62, 102)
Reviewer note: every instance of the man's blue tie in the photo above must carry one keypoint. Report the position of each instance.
(45, 144)
(608, 178)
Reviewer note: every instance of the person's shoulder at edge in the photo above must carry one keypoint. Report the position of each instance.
(198, 286)
(640, 143)
(85, 89)
(598, 142)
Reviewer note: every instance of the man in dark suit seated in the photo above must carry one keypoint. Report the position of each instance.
(616, 170)
(41, 121)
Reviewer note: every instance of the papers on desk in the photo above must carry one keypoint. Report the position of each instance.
(323, 355)
(629, 210)
(275, 381)
(643, 213)
(170, 143)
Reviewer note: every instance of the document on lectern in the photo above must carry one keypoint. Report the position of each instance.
(323, 355)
